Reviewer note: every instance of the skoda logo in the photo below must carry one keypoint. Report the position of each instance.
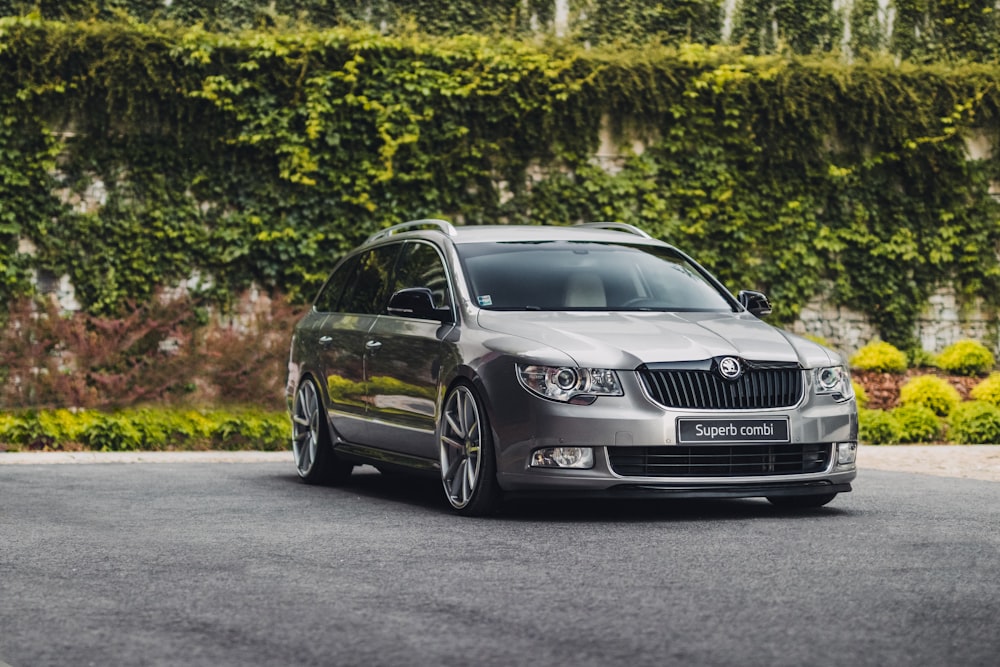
(730, 368)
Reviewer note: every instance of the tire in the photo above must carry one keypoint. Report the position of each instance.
(468, 461)
(315, 460)
(801, 502)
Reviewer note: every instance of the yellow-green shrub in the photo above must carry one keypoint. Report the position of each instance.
(877, 427)
(921, 358)
(7, 424)
(932, 392)
(988, 390)
(974, 423)
(917, 423)
(880, 356)
(966, 357)
(112, 433)
(146, 429)
(860, 395)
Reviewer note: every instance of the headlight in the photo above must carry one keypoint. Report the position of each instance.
(834, 381)
(569, 385)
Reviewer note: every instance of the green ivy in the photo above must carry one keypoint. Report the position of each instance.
(258, 157)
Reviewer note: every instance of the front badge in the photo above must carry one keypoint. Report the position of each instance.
(730, 368)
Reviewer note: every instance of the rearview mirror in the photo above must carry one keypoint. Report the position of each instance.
(417, 302)
(756, 303)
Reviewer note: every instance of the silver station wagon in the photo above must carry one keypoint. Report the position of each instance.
(586, 360)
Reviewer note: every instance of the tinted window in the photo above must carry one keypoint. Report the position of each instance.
(329, 296)
(572, 275)
(366, 290)
(420, 266)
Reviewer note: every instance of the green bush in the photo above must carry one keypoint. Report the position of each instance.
(966, 357)
(64, 425)
(145, 429)
(917, 423)
(8, 424)
(931, 392)
(112, 433)
(988, 390)
(880, 356)
(251, 430)
(860, 395)
(920, 358)
(877, 427)
(37, 429)
(975, 422)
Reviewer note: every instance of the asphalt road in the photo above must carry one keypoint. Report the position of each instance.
(240, 564)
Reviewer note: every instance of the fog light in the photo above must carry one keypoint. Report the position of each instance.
(563, 457)
(847, 452)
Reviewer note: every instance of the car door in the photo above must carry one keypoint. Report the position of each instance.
(350, 309)
(405, 356)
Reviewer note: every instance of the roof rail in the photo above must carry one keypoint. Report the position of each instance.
(440, 225)
(616, 226)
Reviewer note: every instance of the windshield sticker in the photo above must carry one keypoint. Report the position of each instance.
(485, 300)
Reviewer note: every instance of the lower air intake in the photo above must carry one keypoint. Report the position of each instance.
(719, 460)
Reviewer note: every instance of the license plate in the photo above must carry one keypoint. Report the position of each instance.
(722, 431)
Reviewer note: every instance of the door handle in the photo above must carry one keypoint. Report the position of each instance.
(325, 340)
(373, 345)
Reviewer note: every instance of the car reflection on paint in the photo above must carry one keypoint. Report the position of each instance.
(590, 360)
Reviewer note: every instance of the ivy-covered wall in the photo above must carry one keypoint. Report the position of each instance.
(228, 159)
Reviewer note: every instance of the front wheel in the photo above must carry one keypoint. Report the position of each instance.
(314, 457)
(468, 464)
(801, 502)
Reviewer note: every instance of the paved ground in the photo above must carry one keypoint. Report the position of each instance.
(220, 564)
(966, 461)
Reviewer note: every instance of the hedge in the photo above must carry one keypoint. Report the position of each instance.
(146, 429)
(909, 29)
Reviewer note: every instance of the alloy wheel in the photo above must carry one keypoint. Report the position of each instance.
(461, 439)
(305, 428)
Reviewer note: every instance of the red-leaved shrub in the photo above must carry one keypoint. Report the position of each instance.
(160, 352)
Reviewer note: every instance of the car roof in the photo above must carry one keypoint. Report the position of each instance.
(460, 234)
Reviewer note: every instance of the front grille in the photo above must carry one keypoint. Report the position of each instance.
(719, 461)
(756, 389)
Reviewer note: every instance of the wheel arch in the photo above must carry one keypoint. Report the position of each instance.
(467, 375)
(324, 401)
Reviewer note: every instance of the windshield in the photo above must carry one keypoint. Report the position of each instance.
(574, 275)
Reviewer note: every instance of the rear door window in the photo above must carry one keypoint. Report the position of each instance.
(328, 299)
(367, 289)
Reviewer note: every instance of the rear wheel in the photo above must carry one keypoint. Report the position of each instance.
(468, 464)
(314, 458)
(801, 502)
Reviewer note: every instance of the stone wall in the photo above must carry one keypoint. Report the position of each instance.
(945, 320)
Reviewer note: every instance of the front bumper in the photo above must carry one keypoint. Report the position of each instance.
(526, 423)
(624, 491)
(601, 479)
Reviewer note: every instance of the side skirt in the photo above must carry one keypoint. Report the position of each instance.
(380, 458)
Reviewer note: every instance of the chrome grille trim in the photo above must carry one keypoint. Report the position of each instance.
(720, 460)
(704, 389)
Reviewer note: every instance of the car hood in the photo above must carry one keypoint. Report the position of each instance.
(627, 339)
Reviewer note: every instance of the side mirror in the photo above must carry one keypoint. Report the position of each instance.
(755, 302)
(417, 302)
